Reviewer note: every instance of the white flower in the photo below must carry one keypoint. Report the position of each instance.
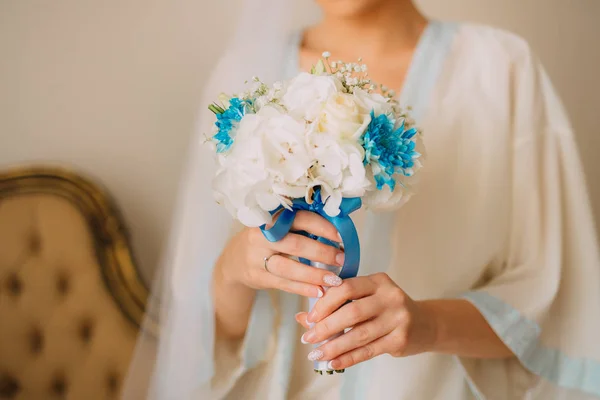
(267, 164)
(338, 164)
(385, 199)
(283, 145)
(306, 93)
(332, 198)
(304, 134)
(355, 182)
(343, 116)
(261, 101)
(373, 102)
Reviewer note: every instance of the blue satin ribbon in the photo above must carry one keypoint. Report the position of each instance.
(342, 222)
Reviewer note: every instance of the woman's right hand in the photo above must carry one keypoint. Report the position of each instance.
(243, 259)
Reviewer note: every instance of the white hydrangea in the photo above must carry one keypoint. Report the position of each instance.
(267, 163)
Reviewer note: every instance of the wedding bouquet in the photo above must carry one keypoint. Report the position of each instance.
(328, 141)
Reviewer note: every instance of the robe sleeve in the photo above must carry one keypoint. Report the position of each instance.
(544, 303)
(191, 358)
(232, 359)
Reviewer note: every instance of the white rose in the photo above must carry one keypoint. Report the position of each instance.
(343, 117)
(306, 94)
(373, 102)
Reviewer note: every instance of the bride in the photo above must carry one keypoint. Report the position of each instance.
(485, 285)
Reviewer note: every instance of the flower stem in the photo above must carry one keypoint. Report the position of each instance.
(216, 109)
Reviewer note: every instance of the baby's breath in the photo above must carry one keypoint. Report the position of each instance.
(353, 75)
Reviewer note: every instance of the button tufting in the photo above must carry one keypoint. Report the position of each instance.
(36, 341)
(58, 387)
(86, 330)
(63, 284)
(9, 386)
(112, 382)
(35, 242)
(14, 284)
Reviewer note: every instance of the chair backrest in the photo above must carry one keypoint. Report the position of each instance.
(71, 299)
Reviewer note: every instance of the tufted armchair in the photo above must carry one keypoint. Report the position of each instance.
(70, 296)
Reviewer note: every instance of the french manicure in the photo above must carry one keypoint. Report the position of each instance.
(330, 365)
(307, 337)
(302, 340)
(315, 355)
(339, 237)
(320, 293)
(339, 258)
(332, 280)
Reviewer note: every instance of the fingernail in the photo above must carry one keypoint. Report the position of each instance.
(315, 355)
(311, 316)
(339, 237)
(330, 365)
(320, 293)
(332, 280)
(339, 258)
(296, 316)
(302, 339)
(307, 337)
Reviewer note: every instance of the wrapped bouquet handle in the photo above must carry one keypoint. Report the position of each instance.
(345, 226)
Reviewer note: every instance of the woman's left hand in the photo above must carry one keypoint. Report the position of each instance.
(384, 320)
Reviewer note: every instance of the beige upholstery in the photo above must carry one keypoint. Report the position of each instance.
(68, 310)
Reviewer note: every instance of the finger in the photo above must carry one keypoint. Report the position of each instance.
(350, 289)
(317, 225)
(304, 247)
(285, 267)
(348, 316)
(360, 335)
(361, 354)
(269, 280)
(301, 319)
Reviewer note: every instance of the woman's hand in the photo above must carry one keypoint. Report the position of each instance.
(383, 318)
(243, 260)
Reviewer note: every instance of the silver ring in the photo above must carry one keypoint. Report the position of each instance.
(266, 259)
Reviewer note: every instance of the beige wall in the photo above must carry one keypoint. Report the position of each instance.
(112, 87)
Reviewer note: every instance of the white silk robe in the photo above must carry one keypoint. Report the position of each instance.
(501, 218)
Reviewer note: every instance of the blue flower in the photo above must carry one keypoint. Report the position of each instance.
(389, 151)
(227, 121)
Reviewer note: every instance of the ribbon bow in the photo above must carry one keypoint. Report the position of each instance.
(342, 222)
